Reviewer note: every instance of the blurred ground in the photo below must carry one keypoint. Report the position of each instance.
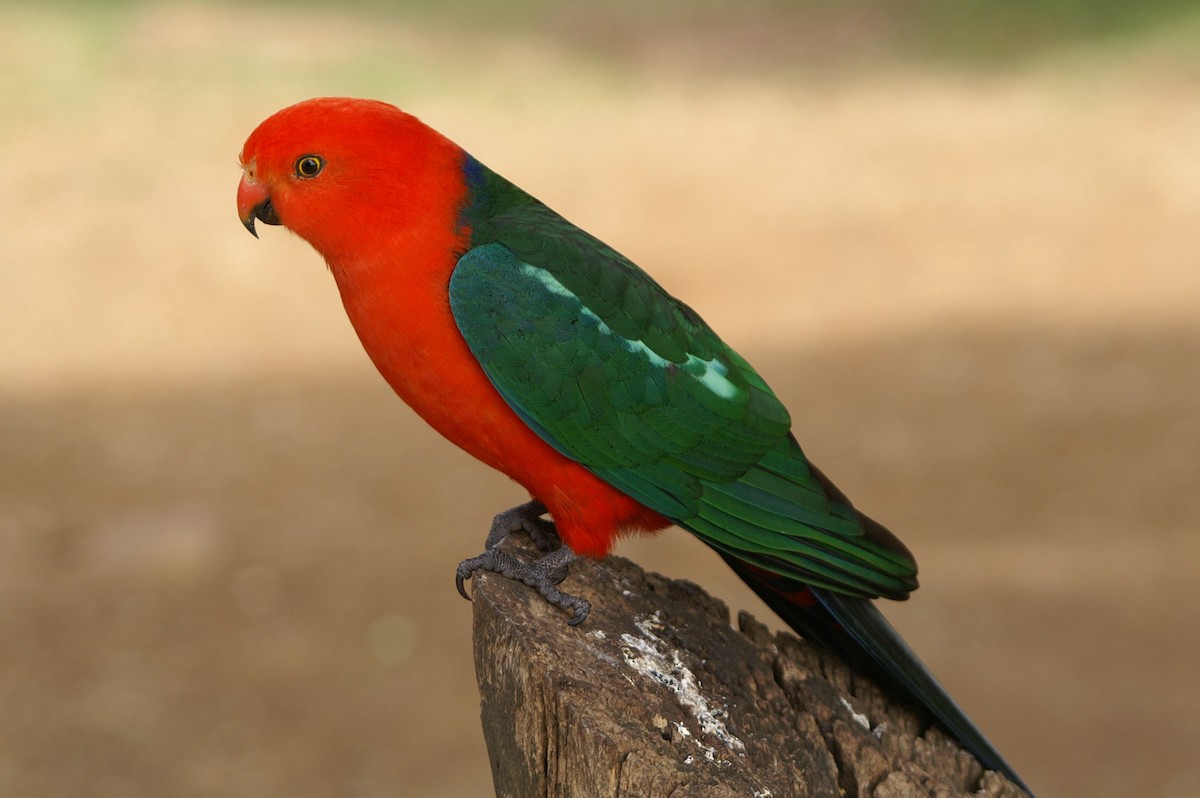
(226, 549)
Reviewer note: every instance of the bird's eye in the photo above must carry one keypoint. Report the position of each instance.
(308, 166)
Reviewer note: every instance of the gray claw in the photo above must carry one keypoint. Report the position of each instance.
(541, 575)
(525, 517)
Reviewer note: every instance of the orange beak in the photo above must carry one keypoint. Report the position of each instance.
(253, 203)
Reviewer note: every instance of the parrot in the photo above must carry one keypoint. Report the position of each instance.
(551, 357)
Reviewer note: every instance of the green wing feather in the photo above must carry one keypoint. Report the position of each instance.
(615, 373)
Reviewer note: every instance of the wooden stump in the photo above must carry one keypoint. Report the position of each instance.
(655, 694)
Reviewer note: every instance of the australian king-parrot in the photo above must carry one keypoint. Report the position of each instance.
(554, 359)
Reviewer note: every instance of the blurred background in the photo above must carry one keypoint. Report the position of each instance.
(959, 239)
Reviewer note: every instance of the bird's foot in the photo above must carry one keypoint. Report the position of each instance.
(526, 517)
(543, 574)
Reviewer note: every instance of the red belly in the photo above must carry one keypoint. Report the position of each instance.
(409, 332)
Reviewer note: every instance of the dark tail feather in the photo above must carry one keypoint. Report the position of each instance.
(854, 629)
(863, 621)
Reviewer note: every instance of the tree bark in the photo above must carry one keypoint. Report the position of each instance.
(655, 694)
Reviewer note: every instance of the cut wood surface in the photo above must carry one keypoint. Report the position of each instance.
(656, 694)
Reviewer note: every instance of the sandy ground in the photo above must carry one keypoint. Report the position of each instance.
(226, 549)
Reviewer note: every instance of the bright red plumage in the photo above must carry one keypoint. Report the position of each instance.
(389, 212)
(392, 269)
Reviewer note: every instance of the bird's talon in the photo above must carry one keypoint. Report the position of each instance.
(579, 612)
(522, 517)
(543, 534)
(541, 574)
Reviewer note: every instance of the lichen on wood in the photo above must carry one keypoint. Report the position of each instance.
(657, 695)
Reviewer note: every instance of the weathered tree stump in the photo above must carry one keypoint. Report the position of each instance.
(655, 694)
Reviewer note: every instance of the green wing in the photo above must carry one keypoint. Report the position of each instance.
(621, 377)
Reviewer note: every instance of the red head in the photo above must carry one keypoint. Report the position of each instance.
(352, 177)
